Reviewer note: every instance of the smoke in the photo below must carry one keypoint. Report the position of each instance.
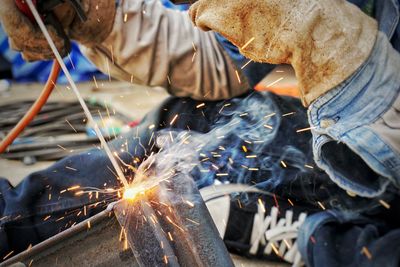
(246, 144)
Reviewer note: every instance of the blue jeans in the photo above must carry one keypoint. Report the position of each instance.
(264, 123)
(25, 209)
(356, 139)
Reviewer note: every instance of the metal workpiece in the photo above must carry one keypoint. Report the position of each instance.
(171, 226)
(168, 225)
(81, 245)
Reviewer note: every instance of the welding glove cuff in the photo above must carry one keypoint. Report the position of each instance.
(325, 41)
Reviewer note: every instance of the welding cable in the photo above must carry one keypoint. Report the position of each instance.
(35, 108)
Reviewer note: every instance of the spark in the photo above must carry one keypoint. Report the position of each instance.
(60, 219)
(366, 252)
(309, 166)
(71, 126)
(169, 80)
(166, 258)
(131, 193)
(125, 17)
(275, 82)
(63, 148)
(152, 126)
(73, 188)
(322, 206)
(8, 255)
(305, 129)
(192, 221)
(95, 82)
(88, 225)
(170, 236)
(270, 115)
(238, 76)
(253, 169)
(201, 105)
(248, 43)
(177, 226)
(251, 156)
(70, 60)
(288, 114)
(261, 205)
(189, 203)
(245, 65)
(222, 174)
(244, 149)
(275, 249)
(287, 243)
(47, 217)
(239, 203)
(283, 164)
(173, 120)
(70, 168)
(290, 202)
(268, 126)
(385, 204)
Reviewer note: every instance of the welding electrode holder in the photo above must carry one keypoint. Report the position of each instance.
(45, 9)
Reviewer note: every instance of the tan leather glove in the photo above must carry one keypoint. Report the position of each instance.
(324, 40)
(26, 37)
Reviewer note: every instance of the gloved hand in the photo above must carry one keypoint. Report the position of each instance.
(325, 40)
(27, 38)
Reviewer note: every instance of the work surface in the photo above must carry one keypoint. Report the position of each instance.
(131, 100)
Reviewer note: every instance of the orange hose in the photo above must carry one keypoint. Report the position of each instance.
(35, 108)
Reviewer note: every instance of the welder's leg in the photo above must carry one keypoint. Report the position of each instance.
(25, 209)
(41, 205)
(335, 238)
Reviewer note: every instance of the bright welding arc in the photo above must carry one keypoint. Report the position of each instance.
(89, 116)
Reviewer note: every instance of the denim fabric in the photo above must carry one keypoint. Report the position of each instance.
(335, 238)
(24, 210)
(356, 157)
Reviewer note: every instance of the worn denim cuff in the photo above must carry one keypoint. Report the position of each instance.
(356, 157)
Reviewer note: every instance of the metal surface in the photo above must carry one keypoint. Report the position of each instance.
(80, 245)
(171, 226)
(168, 226)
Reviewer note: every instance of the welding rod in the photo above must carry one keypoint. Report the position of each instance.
(53, 47)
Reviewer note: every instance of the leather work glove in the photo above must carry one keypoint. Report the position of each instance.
(26, 37)
(324, 40)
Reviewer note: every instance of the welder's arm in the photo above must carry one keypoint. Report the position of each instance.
(152, 45)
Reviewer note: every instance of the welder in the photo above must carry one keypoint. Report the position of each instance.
(346, 62)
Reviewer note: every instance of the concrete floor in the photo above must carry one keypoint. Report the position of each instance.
(132, 100)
